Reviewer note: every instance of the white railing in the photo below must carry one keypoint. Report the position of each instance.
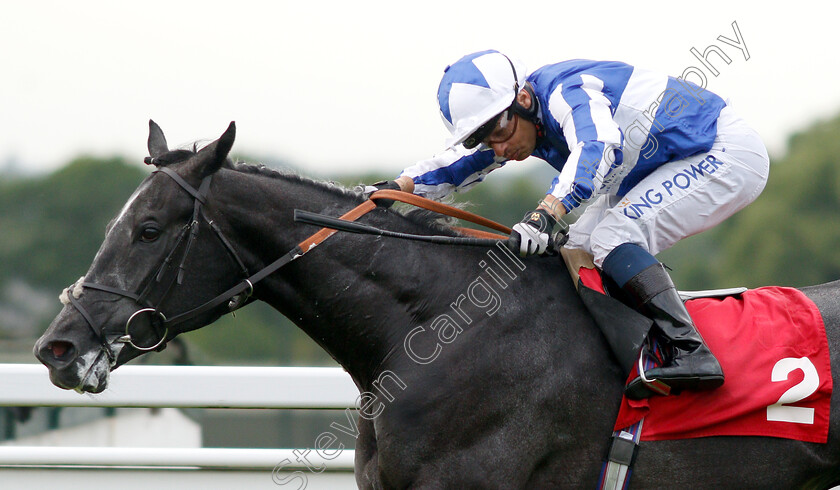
(181, 387)
(172, 458)
(24, 385)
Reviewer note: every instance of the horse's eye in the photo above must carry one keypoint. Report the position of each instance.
(149, 234)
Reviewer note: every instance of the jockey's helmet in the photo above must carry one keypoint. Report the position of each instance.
(474, 91)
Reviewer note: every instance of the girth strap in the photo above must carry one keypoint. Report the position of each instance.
(618, 467)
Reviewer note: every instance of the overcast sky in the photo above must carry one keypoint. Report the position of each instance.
(334, 87)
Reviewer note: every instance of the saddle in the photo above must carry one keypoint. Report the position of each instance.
(625, 328)
(770, 341)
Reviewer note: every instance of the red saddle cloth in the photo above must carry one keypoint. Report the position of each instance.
(772, 346)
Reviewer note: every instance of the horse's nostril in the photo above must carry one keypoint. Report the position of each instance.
(60, 348)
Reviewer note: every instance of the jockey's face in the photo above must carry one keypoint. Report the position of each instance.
(523, 141)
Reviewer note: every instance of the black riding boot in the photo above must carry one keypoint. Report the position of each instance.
(690, 365)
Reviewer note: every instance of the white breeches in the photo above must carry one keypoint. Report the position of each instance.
(680, 198)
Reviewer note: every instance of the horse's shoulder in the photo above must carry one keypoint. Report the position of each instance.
(367, 470)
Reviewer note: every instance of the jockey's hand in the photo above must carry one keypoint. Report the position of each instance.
(382, 185)
(367, 190)
(532, 235)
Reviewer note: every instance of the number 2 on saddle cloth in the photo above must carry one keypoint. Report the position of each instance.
(772, 345)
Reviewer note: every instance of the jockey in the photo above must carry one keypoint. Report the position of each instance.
(655, 158)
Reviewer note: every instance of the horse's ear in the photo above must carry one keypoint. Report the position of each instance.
(213, 156)
(157, 141)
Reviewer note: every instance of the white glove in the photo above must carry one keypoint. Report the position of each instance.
(533, 234)
(531, 240)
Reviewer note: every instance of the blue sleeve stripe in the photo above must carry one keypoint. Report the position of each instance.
(590, 159)
(578, 100)
(586, 178)
(553, 185)
(458, 171)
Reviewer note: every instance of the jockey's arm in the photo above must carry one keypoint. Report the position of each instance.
(594, 142)
(553, 205)
(550, 203)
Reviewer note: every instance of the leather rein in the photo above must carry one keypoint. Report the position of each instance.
(238, 295)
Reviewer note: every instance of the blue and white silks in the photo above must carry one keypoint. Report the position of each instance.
(607, 126)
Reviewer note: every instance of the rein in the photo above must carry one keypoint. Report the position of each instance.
(440, 208)
(238, 295)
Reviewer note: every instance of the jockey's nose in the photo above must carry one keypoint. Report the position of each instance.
(499, 149)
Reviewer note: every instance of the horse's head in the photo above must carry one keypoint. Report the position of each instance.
(161, 256)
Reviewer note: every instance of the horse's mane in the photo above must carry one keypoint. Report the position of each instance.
(438, 223)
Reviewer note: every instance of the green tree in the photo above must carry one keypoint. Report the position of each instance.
(53, 225)
(790, 236)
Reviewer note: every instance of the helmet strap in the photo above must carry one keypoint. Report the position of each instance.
(531, 113)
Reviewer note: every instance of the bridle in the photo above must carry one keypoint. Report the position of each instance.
(184, 242)
(238, 295)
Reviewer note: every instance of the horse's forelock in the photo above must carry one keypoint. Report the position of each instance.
(173, 157)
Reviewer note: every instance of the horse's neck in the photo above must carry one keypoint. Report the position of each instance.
(354, 295)
(360, 296)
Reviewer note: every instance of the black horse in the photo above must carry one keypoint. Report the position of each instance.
(476, 370)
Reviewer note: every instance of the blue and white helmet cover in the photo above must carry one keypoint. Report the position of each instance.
(475, 89)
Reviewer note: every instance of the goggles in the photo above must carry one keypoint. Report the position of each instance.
(496, 130)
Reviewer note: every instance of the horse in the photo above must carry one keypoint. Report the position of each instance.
(476, 369)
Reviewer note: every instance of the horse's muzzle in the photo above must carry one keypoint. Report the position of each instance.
(75, 360)
(86, 373)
